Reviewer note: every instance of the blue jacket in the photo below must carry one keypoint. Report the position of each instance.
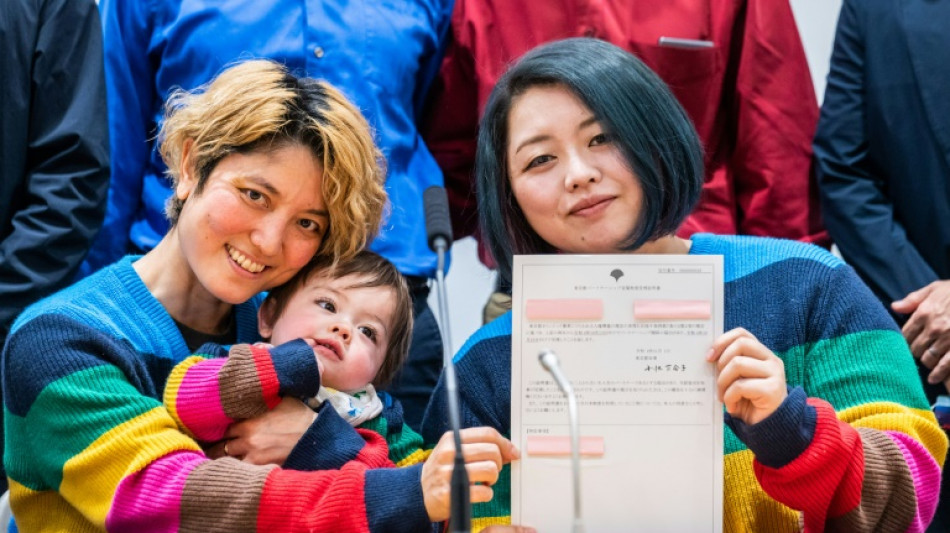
(883, 143)
(381, 54)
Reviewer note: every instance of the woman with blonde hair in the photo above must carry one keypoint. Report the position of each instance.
(268, 170)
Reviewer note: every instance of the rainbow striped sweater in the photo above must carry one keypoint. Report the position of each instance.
(216, 387)
(854, 447)
(91, 447)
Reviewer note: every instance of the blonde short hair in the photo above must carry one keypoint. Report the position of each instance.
(258, 105)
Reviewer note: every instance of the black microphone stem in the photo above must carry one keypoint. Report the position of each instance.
(461, 512)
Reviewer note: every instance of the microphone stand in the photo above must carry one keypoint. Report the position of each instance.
(550, 362)
(440, 231)
(461, 513)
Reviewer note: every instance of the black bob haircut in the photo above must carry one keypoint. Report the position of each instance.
(630, 102)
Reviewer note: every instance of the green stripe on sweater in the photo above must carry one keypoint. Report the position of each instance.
(67, 416)
(869, 354)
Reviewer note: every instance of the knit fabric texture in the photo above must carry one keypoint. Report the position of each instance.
(855, 446)
(91, 447)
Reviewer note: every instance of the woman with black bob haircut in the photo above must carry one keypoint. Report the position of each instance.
(631, 102)
(583, 150)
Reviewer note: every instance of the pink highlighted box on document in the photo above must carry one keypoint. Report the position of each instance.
(557, 446)
(564, 309)
(672, 310)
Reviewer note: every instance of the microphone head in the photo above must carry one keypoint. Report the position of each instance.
(435, 204)
(548, 360)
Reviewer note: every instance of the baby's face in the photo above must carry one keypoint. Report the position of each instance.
(348, 326)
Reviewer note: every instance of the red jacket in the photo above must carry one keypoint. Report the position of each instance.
(750, 97)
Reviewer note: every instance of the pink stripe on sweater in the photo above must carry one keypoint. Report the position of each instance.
(199, 401)
(149, 501)
(926, 474)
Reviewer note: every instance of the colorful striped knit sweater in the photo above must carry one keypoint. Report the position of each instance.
(861, 453)
(216, 387)
(90, 446)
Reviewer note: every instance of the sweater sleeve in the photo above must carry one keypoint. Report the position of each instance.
(863, 452)
(205, 395)
(90, 441)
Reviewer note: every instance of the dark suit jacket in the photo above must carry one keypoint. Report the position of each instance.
(883, 143)
(54, 146)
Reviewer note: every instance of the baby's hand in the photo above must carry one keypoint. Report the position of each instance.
(312, 343)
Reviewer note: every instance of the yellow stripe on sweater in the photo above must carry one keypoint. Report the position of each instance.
(479, 524)
(920, 424)
(746, 507)
(91, 477)
(40, 511)
(416, 457)
(173, 384)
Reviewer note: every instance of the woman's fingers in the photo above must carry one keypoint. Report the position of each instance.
(751, 381)
(485, 451)
(723, 341)
(481, 493)
(741, 367)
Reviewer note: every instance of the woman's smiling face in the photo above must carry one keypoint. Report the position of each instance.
(568, 175)
(259, 218)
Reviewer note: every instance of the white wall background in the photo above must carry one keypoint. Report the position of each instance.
(468, 283)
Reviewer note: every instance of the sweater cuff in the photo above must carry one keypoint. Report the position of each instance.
(783, 435)
(394, 500)
(329, 443)
(296, 368)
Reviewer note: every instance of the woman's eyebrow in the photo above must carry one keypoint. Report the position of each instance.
(262, 182)
(532, 140)
(590, 121)
(265, 184)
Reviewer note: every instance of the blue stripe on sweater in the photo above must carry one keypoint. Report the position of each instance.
(107, 318)
(499, 327)
(51, 347)
(748, 254)
(806, 311)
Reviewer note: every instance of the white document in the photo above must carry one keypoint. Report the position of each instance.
(631, 332)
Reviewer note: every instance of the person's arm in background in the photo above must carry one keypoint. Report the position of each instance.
(861, 216)
(774, 112)
(450, 128)
(857, 212)
(127, 29)
(67, 164)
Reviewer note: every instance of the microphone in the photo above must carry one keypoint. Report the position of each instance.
(549, 361)
(439, 234)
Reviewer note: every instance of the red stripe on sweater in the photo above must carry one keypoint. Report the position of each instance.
(818, 482)
(325, 500)
(270, 384)
(375, 453)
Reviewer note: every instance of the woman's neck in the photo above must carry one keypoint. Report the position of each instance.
(171, 281)
(670, 244)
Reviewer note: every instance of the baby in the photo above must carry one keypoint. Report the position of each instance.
(335, 334)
